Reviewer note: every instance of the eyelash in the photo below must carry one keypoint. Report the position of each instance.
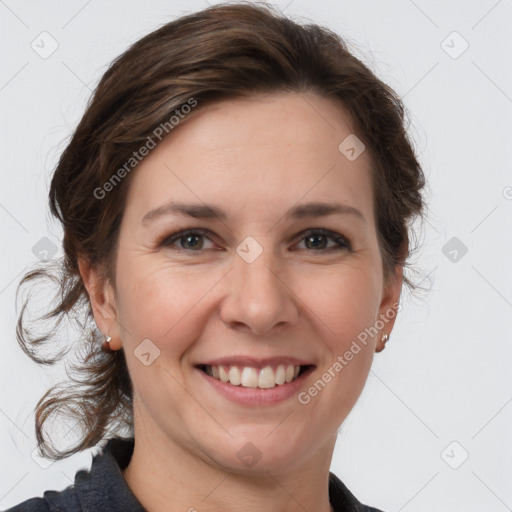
(343, 243)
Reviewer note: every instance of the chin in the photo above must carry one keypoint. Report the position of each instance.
(260, 453)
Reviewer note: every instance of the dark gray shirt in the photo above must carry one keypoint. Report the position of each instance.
(103, 488)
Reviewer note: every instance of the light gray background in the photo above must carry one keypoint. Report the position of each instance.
(445, 375)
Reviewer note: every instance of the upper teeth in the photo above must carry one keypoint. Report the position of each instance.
(253, 377)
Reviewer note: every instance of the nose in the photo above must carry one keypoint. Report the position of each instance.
(258, 298)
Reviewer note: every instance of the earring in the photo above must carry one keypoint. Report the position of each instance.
(106, 342)
(382, 345)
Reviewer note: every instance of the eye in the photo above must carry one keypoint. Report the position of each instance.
(188, 239)
(192, 240)
(316, 239)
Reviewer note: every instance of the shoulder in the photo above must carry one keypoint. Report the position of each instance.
(69, 499)
(31, 505)
(101, 488)
(52, 501)
(342, 500)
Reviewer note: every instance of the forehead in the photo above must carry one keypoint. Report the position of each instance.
(255, 154)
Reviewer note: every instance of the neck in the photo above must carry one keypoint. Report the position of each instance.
(163, 472)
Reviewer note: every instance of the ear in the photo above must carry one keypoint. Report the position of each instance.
(388, 308)
(101, 296)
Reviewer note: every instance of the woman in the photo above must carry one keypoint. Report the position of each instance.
(235, 204)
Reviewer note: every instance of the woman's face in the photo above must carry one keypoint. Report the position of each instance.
(250, 286)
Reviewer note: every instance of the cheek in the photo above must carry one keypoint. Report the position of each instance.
(344, 306)
(342, 303)
(172, 304)
(162, 303)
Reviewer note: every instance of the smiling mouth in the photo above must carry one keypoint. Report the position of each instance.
(264, 378)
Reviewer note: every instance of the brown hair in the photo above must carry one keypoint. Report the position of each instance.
(225, 51)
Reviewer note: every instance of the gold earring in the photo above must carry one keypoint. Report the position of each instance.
(382, 345)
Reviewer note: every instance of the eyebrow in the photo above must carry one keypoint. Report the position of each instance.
(209, 211)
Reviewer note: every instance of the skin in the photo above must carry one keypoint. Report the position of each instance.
(254, 158)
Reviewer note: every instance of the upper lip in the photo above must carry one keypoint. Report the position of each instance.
(255, 362)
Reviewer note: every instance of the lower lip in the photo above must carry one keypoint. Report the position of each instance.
(257, 396)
